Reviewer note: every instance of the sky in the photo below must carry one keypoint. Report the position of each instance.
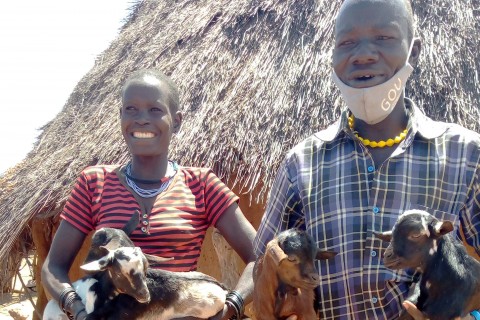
(46, 47)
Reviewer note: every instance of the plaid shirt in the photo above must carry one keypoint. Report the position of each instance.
(330, 186)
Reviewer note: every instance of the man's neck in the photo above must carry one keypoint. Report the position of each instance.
(389, 128)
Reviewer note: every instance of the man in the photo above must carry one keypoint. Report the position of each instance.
(381, 158)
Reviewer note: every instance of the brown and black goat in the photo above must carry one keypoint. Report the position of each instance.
(450, 278)
(285, 277)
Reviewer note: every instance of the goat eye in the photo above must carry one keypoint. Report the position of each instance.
(416, 235)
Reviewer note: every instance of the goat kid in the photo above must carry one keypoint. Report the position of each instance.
(450, 278)
(122, 270)
(173, 295)
(285, 277)
(112, 239)
(121, 287)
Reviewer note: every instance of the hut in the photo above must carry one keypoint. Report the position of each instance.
(254, 81)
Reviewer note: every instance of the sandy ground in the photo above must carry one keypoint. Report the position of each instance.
(17, 305)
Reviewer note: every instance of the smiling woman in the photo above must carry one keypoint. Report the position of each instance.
(149, 117)
(176, 204)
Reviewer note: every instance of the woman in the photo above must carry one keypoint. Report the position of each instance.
(177, 204)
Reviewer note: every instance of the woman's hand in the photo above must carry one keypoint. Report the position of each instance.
(224, 314)
(418, 315)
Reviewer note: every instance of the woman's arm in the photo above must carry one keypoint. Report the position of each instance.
(65, 246)
(239, 233)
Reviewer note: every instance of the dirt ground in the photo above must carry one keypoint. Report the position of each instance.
(17, 305)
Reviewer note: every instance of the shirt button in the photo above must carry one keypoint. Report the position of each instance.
(374, 300)
(144, 230)
(145, 223)
(145, 216)
(371, 168)
(373, 253)
(376, 210)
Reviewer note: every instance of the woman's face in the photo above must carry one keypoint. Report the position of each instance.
(147, 121)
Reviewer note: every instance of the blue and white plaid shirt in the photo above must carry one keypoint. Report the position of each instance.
(330, 186)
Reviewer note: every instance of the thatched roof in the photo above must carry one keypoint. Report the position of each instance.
(254, 81)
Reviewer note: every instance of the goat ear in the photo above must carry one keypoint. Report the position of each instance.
(132, 224)
(275, 252)
(152, 259)
(324, 255)
(385, 236)
(441, 228)
(98, 265)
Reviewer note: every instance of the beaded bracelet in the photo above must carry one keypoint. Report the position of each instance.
(67, 297)
(78, 313)
(235, 300)
(63, 295)
(475, 314)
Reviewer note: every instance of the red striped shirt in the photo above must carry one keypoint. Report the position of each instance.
(177, 224)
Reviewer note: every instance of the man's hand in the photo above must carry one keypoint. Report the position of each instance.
(418, 315)
(413, 311)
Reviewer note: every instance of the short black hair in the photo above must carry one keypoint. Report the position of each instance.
(410, 23)
(409, 14)
(174, 96)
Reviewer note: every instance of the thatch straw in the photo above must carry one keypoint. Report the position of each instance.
(254, 81)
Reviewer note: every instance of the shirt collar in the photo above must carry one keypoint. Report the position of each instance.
(426, 127)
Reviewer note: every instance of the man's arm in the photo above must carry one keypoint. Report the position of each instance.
(284, 208)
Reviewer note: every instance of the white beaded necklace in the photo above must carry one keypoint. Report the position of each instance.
(150, 193)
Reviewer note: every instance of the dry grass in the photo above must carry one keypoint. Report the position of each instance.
(254, 81)
(18, 301)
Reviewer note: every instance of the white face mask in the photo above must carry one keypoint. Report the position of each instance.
(374, 104)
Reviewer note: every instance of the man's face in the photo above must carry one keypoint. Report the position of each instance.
(371, 42)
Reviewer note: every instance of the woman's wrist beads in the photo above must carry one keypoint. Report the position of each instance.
(235, 300)
(67, 300)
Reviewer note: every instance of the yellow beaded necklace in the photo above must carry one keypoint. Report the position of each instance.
(379, 144)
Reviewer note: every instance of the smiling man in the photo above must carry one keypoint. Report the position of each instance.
(381, 158)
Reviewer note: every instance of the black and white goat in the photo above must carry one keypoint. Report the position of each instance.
(122, 270)
(172, 294)
(450, 278)
(112, 239)
(122, 287)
